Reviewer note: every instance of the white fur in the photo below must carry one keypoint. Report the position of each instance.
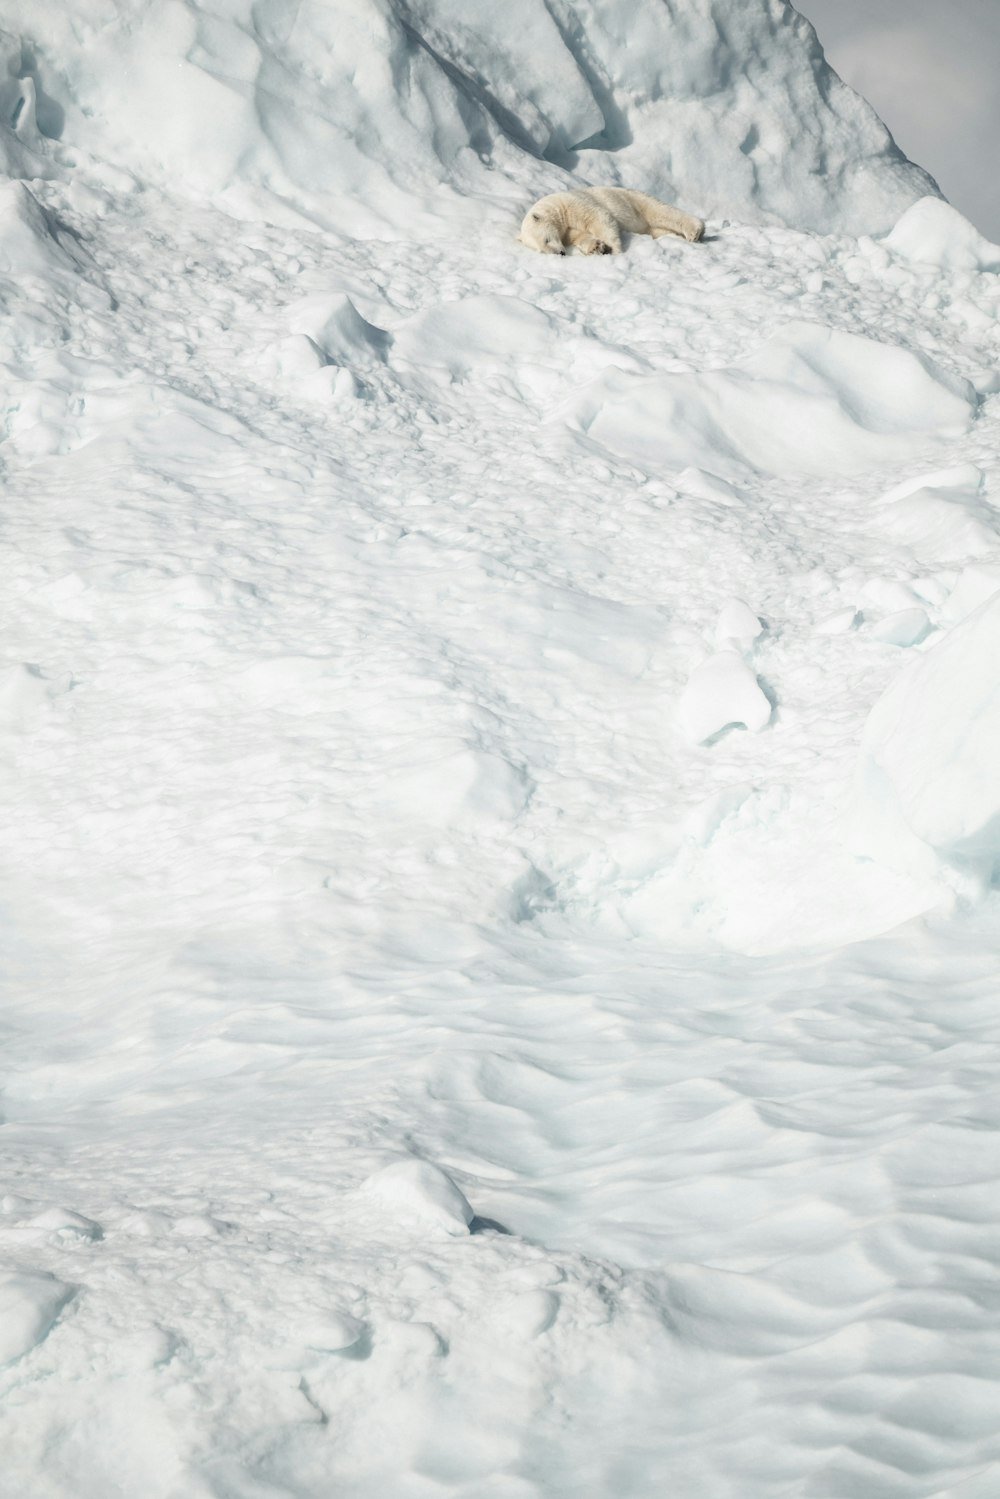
(593, 218)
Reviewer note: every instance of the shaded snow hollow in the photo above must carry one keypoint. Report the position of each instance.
(498, 897)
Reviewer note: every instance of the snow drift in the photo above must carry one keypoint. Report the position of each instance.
(376, 116)
(812, 400)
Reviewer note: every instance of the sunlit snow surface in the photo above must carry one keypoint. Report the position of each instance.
(473, 1026)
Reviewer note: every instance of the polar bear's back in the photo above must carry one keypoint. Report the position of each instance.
(630, 210)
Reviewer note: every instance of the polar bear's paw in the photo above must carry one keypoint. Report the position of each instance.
(690, 229)
(590, 245)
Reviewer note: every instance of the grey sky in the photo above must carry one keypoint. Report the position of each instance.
(931, 68)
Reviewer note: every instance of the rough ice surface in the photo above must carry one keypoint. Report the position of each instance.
(443, 1052)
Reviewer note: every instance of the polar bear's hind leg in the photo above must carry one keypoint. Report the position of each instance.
(662, 219)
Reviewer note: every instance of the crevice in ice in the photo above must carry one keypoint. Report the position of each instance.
(476, 92)
(616, 133)
(487, 1226)
(50, 117)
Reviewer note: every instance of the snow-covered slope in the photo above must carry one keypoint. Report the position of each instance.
(500, 943)
(380, 116)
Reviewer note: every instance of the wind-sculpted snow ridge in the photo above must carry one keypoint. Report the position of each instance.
(379, 117)
(500, 843)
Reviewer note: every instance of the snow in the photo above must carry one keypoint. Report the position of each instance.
(383, 111)
(904, 627)
(418, 1194)
(931, 232)
(737, 626)
(29, 1306)
(723, 690)
(928, 769)
(500, 926)
(943, 516)
(812, 400)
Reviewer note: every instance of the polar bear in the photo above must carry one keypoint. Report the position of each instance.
(592, 219)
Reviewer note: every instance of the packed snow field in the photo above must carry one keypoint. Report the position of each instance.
(501, 951)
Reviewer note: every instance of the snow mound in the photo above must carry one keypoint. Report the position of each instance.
(904, 628)
(462, 337)
(974, 585)
(23, 694)
(480, 339)
(334, 1331)
(372, 117)
(812, 400)
(720, 692)
(419, 1195)
(931, 232)
(336, 327)
(737, 627)
(943, 516)
(455, 783)
(61, 1224)
(928, 779)
(29, 1305)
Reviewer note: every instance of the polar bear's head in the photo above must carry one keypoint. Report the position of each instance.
(538, 232)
